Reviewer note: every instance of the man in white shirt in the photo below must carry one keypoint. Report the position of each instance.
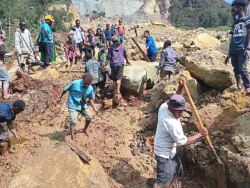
(79, 36)
(169, 135)
(24, 46)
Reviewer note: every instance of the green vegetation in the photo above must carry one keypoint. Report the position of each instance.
(200, 13)
(32, 11)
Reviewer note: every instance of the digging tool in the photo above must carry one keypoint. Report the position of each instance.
(136, 31)
(77, 150)
(145, 56)
(220, 168)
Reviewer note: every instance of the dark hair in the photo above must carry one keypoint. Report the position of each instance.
(77, 20)
(88, 76)
(20, 104)
(147, 31)
(88, 54)
(166, 44)
(107, 25)
(22, 21)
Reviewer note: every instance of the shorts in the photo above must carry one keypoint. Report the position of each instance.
(167, 169)
(152, 57)
(73, 116)
(121, 38)
(26, 59)
(117, 71)
(71, 54)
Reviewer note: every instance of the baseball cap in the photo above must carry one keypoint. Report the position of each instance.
(239, 2)
(177, 102)
(49, 17)
(114, 39)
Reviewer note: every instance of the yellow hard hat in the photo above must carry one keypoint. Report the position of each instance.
(49, 17)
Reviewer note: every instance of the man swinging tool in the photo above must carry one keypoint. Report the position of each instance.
(169, 135)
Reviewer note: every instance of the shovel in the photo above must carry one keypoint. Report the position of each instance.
(220, 169)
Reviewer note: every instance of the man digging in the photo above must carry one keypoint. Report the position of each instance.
(79, 92)
(169, 135)
(8, 112)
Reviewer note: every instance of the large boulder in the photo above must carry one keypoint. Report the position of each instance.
(166, 88)
(205, 40)
(208, 66)
(241, 138)
(61, 167)
(138, 76)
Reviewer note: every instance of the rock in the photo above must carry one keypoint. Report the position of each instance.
(159, 45)
(45, 74)
(138, 76)
(61, 167)
(208, 66)
(192, 84)
(206, 41)
(241, 138)
(107, 104)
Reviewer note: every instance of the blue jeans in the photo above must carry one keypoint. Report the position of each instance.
(239, 62)
(152, 57)
(48, 52)
(121, 38)
(167, 169)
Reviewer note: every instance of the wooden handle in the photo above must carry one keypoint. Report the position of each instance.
(201, 126)
(138, 46)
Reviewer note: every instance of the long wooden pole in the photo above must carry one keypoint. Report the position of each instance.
(201, 126)
(145, 56)
(220, 168)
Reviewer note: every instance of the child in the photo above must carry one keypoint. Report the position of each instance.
(70, 49)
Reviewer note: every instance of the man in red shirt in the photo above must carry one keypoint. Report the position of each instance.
(121, 31)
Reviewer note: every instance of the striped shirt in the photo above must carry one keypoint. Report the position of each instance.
(169, 57)
(239, 39)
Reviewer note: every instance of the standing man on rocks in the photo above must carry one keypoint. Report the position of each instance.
(117, 56)
(121, 31)
(169, 135)
(239, 49)
(79, 36)
(24, 46)
(151, 50)
(47, 40)
(79, 92)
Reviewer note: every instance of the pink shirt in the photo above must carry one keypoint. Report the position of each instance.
(121, 30)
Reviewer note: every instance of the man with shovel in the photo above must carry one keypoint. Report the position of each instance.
(169, 135)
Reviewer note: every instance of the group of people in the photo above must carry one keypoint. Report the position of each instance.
(169, 133)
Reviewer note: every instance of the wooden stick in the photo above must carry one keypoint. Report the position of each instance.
(201, 124)
(145, 56)
(78, 150)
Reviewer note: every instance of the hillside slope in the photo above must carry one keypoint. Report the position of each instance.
(200, 13)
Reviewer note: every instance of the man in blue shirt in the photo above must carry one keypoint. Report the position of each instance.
(239, 49)
(47, 39)
(8, 112)
(108, 35)
(151, 49)
(79, 92)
